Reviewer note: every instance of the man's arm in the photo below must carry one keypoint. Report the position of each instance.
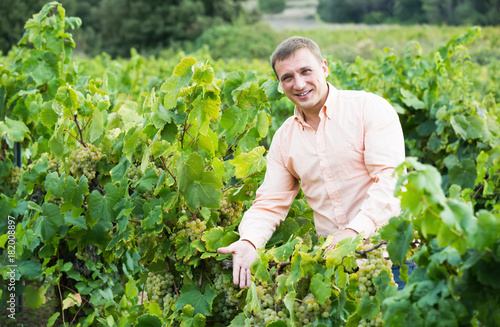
(384, 151)
(273, 200)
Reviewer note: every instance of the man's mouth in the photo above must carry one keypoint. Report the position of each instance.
(301, 95)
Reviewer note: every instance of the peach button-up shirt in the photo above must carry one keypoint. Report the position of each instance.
(345, 168)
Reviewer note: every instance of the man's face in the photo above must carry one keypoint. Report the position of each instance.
(303, 79)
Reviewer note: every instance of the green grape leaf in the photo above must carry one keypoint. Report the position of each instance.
(31, 269)
(201, 302)
(48, 117)
(399, 233)
(154, 218)
(68, 97)
(50, 221)
(34, 297)
(250, 162)
(203, 74)
(233, 121)
(42, 65)
(217, 237)
(188, 170)
(368, 308)
(252, 300)
(55, 184)
(320, 288)
(463, 174)
(15, 130)
(148, 321)
(238, 321)
(101, 206)
(263, 123)
(184, 66)
(411, 100)
(270, 88)
(205, 192)
(285, 251)
(96, 126)
(188, 319)
(467, 127)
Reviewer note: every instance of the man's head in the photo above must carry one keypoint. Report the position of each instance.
(288, 47)
(301, 72)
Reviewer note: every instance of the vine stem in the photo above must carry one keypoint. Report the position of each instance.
(376, 246)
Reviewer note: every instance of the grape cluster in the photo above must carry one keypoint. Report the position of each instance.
(225, 304)
(83, 256)
(309, 308)
(15, 176)
(160, 289)
(193, 229)
(53, 164)
(84, 160)
(147, 241)
(271, 311)
(54, 200)
(369, 270)
(230, 211)
(134, 173)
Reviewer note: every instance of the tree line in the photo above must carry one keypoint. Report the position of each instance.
(446, 12)
(115, 26)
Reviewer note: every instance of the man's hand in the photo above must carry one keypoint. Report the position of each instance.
(244, 254)
(339, 236)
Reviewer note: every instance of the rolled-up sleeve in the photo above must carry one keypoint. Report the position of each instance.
(273, 199)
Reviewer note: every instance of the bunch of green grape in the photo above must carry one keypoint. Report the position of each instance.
(15, 176)
(84, 161)
(271, 310)
(230, 211)
(193, 228)
(53, 164)
(160, 289)
(147, 241)
(369, 270)
(308, 309)
(225, 304)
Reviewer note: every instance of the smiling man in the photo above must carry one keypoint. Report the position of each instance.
(340, 147)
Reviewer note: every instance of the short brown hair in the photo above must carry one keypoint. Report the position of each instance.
(292, 44)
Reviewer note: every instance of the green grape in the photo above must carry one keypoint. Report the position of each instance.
(272, 310)
(84, 161)
(160, 288)
(53, 164)
(225, 303)
(15, 176)
(230, 211)
(309, 309)
(369, 270)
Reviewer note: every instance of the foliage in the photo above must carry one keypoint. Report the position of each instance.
(243, 41)
(131, 181)
(272, 6)
(450, 12)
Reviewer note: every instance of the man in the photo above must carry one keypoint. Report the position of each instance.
(340, 147)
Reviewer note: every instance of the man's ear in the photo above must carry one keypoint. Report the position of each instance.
(325, 68)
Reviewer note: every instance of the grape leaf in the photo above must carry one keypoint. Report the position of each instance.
(34, 297)
(205, 192)
(201, 302)
(250, 162)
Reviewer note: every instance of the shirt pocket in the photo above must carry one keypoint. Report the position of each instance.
(349, 160)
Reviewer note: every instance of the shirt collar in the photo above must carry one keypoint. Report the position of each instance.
(327, 107)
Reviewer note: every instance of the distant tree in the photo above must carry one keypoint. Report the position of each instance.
(272, 6)
(14, 15)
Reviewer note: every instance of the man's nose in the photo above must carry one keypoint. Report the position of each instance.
(300, 83)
